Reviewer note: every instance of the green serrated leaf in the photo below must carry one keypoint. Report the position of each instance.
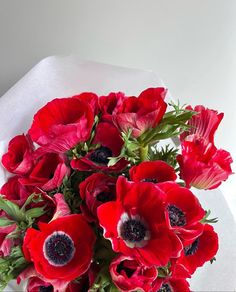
(12, 210)
(35, 212)
(5, 222)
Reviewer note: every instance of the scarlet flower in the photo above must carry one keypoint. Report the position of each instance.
(204, 124)
(202, 165)
(90, 98)
(109, 142)
(183, 211)
(141, 113)
(6, 243)
(95, 190)
(129, 275)
(110, 104)
(61, 124)
(48, 172)
(18, 158)
(138, 227)
(14, 191)
(170, 284)
(152, 171)
(200, 250)
(36, 284)
(61, 249)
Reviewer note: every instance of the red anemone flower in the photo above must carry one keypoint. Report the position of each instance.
(204, 124)
(95, 190)
(200, 250)
(141, 113)
(61, 249)
(138, 226)
(109, 142)
(183, 211)
(202, 165)
(19, 158)
(152, 171)
(61, 124)
(129, 275)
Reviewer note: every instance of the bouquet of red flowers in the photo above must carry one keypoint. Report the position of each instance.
(97, 203)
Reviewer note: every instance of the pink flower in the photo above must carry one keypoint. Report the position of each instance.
(61, 124)
(202, 165)
(48, 172)
(18, 158)
(129, 275)
(6, 243)
(204, 124)
(142, 112)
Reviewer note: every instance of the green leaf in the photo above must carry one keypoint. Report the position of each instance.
(35, 212)
(12, 210)
(5, 222)
(205, 219)
(212, 260)
(35, 198)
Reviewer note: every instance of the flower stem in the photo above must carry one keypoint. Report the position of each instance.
(143, 153)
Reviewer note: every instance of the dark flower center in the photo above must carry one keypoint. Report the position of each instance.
(121, 267)
(176, 216)
(154, 180)
(101, 155)
(46, 288)
(165, 288)
(59, 249)
(192, 248)
(133, 231)
(105, 197)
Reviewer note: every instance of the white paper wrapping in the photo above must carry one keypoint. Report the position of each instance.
(66, 76)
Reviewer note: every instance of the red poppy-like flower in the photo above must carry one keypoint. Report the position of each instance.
(201, 250)
(48, 172)
(90, 98)
(14, 191)
(152, 171)
(129, 275)
(95, 190)
(61, 249)
(202, 165)
(61, 124)
(36, 284)
(110, 104)
(138, 226)
(37, 281)
(18, 158)
(204, 124)
(183, 211)
(110, 143)
(142, 112)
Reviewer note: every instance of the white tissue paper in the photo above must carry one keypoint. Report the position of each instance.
(66, 76)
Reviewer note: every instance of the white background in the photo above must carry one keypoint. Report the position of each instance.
(191, 44)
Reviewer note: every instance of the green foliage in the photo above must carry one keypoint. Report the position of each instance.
(167, 154)
(11, 266)
(206, 219)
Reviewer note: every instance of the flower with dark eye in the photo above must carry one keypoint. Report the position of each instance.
(61, 249)
(138, 227)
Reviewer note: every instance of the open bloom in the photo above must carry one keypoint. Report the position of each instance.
(138, 226)
(95, 190)
(109, 142)
(61, 124)
(129, 275)
(61, 249)
(202, 165)
(152, 171)
(142, 112)
(200, 250)
(183, 211)
(203, 124)
(19, 158)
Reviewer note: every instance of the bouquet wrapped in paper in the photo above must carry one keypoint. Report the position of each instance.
(99, 200)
